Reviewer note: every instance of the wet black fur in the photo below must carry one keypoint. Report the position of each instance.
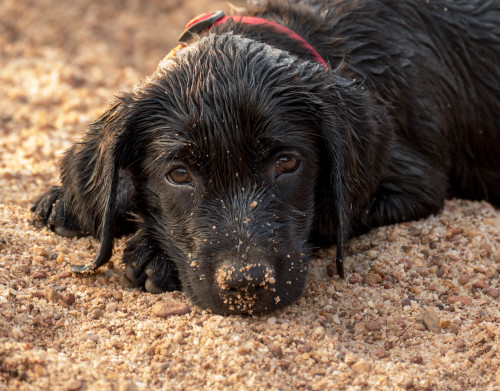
(408, 116)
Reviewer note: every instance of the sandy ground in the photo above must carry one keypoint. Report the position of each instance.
(418, 311)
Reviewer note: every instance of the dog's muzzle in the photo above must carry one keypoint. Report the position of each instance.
(242, 286)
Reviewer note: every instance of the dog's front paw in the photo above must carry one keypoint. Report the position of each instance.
(149, 267)
(49, 211)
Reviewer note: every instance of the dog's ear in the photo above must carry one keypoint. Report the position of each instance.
(90, 174)
(354, 136)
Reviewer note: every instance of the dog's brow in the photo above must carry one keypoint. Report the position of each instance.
(161, 156)
(294, 138)
(181, 152)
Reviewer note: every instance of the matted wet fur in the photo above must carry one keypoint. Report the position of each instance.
(240, 154)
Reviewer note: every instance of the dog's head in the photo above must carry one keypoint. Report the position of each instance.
(239, 152)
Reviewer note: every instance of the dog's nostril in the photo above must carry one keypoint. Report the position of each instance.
(235, 278)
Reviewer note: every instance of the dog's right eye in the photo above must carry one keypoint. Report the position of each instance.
(179, 176)
(285, 164)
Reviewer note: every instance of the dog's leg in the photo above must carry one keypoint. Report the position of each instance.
(49, 210)
(148, 266)
(54, 210)
(411, 188)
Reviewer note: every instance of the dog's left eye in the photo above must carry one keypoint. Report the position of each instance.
(179, 176)
(285, 164)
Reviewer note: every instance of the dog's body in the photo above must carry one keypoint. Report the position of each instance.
(241, 152)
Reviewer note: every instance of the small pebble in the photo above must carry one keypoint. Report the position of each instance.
(373, 325)
(164, 310)
(417, 360)
(276, 351)
(354, 279)
(431, 320)
(378, 270)
(17, 333)
(361, 366)
(348, 358)
(38, 275)
(74, 385)
(372, 279)
(52, 295)
(37, 294)
(466, 300)
(26, 269)
(331, 269)
(496, 255)
(380, 354)
(39, 250)
(480, 284)
(406, 302)
(62, 303)
(423, 271)
(96, 314)
(271, 320)
(444, 323)
(118, 295)
(91, 337)
(486, 247)
(69, 298)
(493, 292)
(391, 236)
(461, 346)
(463, 279)
(452, 232)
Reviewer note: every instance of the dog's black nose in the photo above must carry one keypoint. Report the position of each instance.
(249, 277)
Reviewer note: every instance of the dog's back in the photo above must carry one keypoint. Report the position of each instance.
(436, 66)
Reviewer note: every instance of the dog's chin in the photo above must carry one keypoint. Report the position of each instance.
(246, 302)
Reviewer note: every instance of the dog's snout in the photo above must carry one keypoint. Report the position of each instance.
(244, 277)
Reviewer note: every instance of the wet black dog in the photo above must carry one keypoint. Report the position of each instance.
(242, 152)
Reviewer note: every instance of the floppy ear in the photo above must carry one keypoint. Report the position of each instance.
(357, 136)
(90, 177)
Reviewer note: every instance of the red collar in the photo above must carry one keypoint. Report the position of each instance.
(208, 20)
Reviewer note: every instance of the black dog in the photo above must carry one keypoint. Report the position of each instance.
(242, 152)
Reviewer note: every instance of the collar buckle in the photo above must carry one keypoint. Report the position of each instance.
(197, 25)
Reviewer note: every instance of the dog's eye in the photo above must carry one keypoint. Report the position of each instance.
(179, 176)
(285, 164)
